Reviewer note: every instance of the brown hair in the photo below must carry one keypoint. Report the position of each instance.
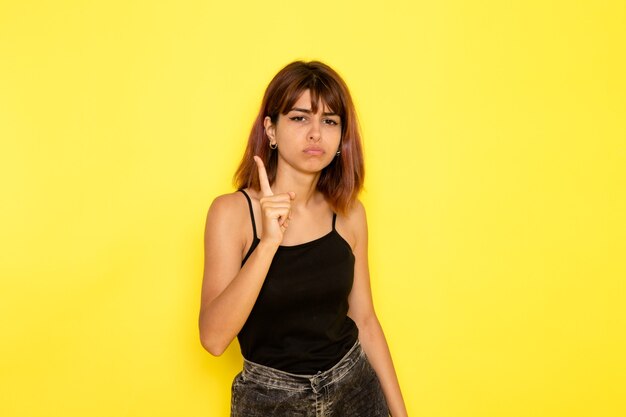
(341, 181)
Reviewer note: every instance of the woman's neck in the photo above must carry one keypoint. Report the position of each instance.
(303, 184)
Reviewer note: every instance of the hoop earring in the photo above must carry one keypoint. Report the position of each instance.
(273, 145)
(338, 153)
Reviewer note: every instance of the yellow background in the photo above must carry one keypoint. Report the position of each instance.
(495, 142)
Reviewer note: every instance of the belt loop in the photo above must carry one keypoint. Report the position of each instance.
(315, 380)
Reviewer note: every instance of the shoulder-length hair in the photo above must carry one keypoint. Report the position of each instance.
(339, 182)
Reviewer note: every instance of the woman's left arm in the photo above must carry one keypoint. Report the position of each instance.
(362, 312)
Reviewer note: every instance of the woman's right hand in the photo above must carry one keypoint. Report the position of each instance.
(275, 208)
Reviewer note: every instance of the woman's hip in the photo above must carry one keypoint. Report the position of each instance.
(350, 388)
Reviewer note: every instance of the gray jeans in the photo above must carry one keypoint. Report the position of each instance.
(350, 388)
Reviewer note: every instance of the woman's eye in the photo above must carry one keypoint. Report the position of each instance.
(297, 118)
(331, 122)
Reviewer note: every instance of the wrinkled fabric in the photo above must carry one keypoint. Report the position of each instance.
(350, 388)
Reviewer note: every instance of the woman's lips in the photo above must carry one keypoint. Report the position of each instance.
(313, 150)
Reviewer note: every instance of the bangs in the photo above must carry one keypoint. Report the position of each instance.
(321, 90)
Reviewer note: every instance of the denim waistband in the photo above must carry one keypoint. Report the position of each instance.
(275, 378)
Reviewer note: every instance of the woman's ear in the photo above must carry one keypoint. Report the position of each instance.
(270, 129)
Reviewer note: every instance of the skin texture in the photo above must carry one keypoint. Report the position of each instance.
(291, 211)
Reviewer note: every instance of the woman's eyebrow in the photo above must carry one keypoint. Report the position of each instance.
(308, 111)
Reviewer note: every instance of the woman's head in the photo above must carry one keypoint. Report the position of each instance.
(340, 181)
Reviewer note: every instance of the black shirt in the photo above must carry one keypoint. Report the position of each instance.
(299, 323)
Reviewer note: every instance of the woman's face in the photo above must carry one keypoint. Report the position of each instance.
(306, 141)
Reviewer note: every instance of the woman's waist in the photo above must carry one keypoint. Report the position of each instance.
(298, 352)
(300, 381)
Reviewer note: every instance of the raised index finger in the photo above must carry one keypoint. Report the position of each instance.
(266, 190)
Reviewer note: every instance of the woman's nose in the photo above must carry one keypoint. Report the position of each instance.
(314, 132)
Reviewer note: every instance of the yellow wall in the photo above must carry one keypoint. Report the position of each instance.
(495, 140)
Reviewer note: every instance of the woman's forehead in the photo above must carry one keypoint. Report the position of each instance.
(307, 101)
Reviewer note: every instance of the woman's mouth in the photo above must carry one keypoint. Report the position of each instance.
(313, 150)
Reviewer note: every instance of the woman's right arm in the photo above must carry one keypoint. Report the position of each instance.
(229, 290)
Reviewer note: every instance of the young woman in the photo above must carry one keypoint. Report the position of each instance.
(286, 267)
